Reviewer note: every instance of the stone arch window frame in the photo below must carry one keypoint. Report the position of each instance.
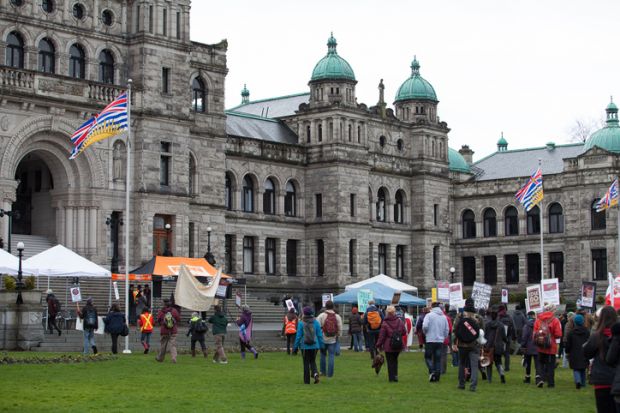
(106, 62)
(15, 50)
(555, 214)
(80, 59)
(381, 204)
(230, 188)
(533, 221)
(248, 193)
(46, 59)
(270, 195)
(290, 198)
(200, 91)
(400, 200)
(511, 219)
(193, 176)
(598, 220)
(489, 221)
(468, 224)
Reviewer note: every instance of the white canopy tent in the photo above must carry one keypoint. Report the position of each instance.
(60, 261)
(9, 264)
(385, 280)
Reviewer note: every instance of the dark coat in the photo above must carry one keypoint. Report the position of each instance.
(527, 339)
(506, 320)
(495, 334)
(114, 322)
(613, 359)
(220, 322)
(355, 323)
(601, 373)
(574, 347)
(390, 324)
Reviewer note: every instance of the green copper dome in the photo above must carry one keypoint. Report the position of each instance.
(502, 141)
(607, 138)
(457, 162)
(245, 92)
(416, 87)
(332, 66)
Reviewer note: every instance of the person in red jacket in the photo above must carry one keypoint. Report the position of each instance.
(547, 329)
(168, 319)
(391, 324)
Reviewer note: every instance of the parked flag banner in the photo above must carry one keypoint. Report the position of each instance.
(327, 297)
(504, 296)
(550, 291)
(290, 305)
(111, 121)
(456, 294)
(532, 192)
(363, 296)
(481, 294)
(533, 300)
(192, 294)
(588, 294)
(614, 285)
(443, 291)
(76, 295)
(610, 198)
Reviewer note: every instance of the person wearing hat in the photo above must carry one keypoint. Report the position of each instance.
(574, 349)
(468, 349)
(309, 339)
(547, 329)
(53, 308)
(168, 319)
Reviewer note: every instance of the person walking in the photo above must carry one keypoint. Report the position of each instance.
(331, 325)
(372, 320)
(146, 292)
(511, 334)
(245, 324)
(528, 348)
(197, 329)
(547, 330)
(519, 320)
(220, 322)
(141, 303)
(53, 308)
(168, 318)
(466, 331)
(601, 373)
(391, 341)
(435, 328)
(613, 359)
(495, 334)
(309, 339)
(419, 332)
(355, 329)
(114, 324)
(146, 328)
(574, 349)
(289, 329)
(90, 323)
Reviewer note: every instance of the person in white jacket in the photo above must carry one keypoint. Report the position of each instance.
(436, 330)
(331, 324)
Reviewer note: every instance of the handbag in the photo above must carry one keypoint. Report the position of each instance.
(125, 330)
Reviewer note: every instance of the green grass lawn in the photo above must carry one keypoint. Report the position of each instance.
(273, 383)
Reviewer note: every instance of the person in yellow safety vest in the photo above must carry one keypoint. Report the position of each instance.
(146, 328)
(289, 328)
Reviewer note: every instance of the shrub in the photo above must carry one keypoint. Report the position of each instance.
(9, 283)
(30, 283)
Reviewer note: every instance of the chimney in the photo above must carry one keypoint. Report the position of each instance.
(467, 154)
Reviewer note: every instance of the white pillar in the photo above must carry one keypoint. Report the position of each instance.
(6, 205)
(69, 227)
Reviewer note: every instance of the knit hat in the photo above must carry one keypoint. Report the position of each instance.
(549, 307)
(308, 311)
(89, 300)
(578, 320)
(469, 306)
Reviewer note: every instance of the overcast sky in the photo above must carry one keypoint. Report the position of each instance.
(529, 68)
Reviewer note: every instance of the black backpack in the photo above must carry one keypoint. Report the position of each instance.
(309, 333)
(201, 326)
(467, 330)
(90, 318)
(56, 305)
(396, 341)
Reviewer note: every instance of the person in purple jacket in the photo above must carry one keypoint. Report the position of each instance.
(391, 324)
(245, 332)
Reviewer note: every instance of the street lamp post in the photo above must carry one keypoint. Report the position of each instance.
(113, 222)
(167, 252)
(452, 271)
(10, 215)
(20, 283)
(209, 255)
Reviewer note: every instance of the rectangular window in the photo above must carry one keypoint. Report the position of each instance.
(165, 80)
(137, 18)
(164, 164)
(320, 257)
(556, 265)
(191, 240)
(270, 256)
(533, 222)
(150, 19)
(400, 261)
(511, 262)
(291, 257)
(248, 255)
(352, 204)
(490, 269)
(178, 25)
(370, 260)
(382, 258)
(229, 241)
(318, 198)
(533, 268)
(599, 264)
(352, 256)
(435, 214)
(164, 29)
(469, 270)
(435, 262)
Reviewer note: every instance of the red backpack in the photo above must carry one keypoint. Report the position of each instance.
(330, 326)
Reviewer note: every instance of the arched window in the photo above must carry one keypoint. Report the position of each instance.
(269, 198)
(199, 94)
(15, 50)
(118, 160)
(192, 175)
(399, 207)
(598, 219)
(490, 223)
(248, 194)
(47, 56)
(556, 219)
(228, 193)
(76, 61)
(533, 221)
(469, 224)
(511, 221)
(106, 67)
(381, 211)
(290, 200)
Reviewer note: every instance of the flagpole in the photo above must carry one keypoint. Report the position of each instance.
(542, 253)
(613, 293)
(127, 214)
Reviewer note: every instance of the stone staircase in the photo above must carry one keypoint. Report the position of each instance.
(33, 244)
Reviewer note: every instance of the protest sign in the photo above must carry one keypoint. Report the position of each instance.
(588, 292)
(116, 295)
(550, 291)
(533, 300)
(443, 291)
(396, 298)
(481, 294)
(456, 294)
(238, 299)
(290, 305)
(363, 296)
(434, 295)
(327, 297)
(504, 296)
(76, 296)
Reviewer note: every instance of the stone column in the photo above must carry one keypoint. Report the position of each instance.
(259, 255)
(281, 256)
(81, 229)
(60, 225)
(92, 231)
(4, 221)
(237, 251)
(69, 228)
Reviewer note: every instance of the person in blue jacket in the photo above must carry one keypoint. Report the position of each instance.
(309, 339)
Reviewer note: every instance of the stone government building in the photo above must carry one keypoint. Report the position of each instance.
(303, 193)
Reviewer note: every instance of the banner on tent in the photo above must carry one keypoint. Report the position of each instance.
(481, 294)
(363, 296)
(588, 292)
(550, 291)
(456, 294)
(533, 300)
(132, 277)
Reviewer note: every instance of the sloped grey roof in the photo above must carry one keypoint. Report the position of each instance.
(274, 107)
(524, 162)
(255, 127)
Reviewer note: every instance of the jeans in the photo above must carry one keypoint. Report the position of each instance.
(432, 356)
(219, 355)
(309, 360)
(89, 339)
(391, 358)
(444, 358)
(605, 402)
(469, 357)
(329, 351)
(507, 357)
(357, 341)
(497, 360)
(580, 377)
(546, 368)
(145, 339)
(168, 340)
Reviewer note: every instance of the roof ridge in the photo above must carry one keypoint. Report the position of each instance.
(270, 99)
(250, 116)
(529, 149)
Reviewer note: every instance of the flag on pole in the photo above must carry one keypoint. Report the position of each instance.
(610, 198)
(532, 192)
(110, 122)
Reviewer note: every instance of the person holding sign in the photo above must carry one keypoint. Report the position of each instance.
(90, 321)
(289, 328)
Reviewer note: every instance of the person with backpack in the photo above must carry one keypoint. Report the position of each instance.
(466, 331)
(146, 328)
(331, 324)
(528, 348)
(511, 334)
(436, 330)
(497, 340)
(245, 324)
(197, 328)
(547, 330)
(289, 329)
(114, 324)
(309, 339)
(613, 359)
(90, 323)
(168, 318)
(372, 320)
(574, 350)
(220, 322)
(53, 308)
(355, 329)
(391, 341)
(519, 320)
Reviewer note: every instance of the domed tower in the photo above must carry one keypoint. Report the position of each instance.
(416, 98)
(332, 79)
(502, 144)
(607, 138)
(245, 95)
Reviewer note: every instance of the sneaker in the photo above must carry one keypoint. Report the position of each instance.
(255, 355)
(502, 378)
(316, 378)
(224, 362)
(472, 389)
(550, 386)
(578, 386)
(540, 384)
(146, 350)
(527, 379)
(431, 378)
(461, 387)
(214, 360)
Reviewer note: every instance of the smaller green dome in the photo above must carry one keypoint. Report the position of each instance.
(416, 87)
(332, 66)
(502, 141)
(456, 162)
(607, 138)
(245, 92)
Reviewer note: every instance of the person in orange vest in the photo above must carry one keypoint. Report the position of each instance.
(289, 328)
(146, 328)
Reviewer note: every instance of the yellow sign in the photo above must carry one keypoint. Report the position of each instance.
(434, 295)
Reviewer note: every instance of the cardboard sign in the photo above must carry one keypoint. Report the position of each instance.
(434, 295)
(588, 294)
(504, 296)
(363, 296)
(550, 291)
(456, 294)
(327, 297)
(221, 291)
(481, 294)
(76, 295)
(533, 300)
(396, 298)
(443, 291)
(289, 305)
(116, 295)
(238, 299)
